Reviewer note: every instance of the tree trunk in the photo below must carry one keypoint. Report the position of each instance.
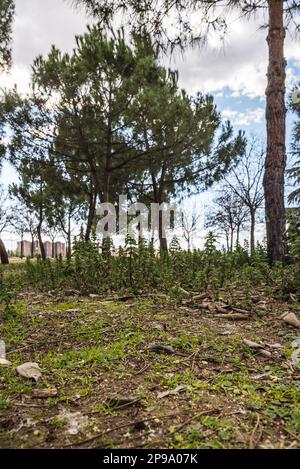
(231, 239)
(238, 236)
(3, 253)
(32, 246)
(91, 216)
(53, 249)
(41, 244)
(276, 133)
(22, 245)
(252, 232)
(227, 241)
(69, 247)
(162, 236)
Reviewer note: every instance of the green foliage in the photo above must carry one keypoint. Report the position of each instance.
(7, 8)
(138, 268)
(7, 297)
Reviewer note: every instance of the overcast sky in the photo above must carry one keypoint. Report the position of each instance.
(235, 72)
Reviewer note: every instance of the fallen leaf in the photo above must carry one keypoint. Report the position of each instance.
(30, 370)
(173, 392)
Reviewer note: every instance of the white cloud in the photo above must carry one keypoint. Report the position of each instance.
(239, 64)
(245, 118)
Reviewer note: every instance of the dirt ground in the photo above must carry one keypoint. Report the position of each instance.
(150, 372)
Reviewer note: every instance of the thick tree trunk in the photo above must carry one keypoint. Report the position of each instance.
(3, 253)
(252, 232)
(276, 133)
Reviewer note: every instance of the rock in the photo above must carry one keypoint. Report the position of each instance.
(2, 349)
(30, 370)
(4, 362)
(291, 319)
(296, 354)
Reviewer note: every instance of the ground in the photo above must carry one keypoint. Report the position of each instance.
(113, 385)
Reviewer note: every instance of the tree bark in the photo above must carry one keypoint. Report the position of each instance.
(276, 133)
(3, 253)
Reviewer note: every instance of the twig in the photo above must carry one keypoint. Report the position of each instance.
(194, 417)
(252, 442)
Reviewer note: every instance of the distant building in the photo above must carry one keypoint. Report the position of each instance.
(60, 249)
(48, 248)
(33, 249)
(26, 248)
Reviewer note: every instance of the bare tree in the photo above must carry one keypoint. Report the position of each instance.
(228, 217)
(246, 183)
(190, 222)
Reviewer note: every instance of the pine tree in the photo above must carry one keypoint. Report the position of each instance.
(142, 14)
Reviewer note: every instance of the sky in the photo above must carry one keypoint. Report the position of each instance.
(234, 72)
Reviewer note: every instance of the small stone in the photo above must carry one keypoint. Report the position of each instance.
(4, 362)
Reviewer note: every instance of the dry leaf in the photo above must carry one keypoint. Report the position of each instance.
(173, 392)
